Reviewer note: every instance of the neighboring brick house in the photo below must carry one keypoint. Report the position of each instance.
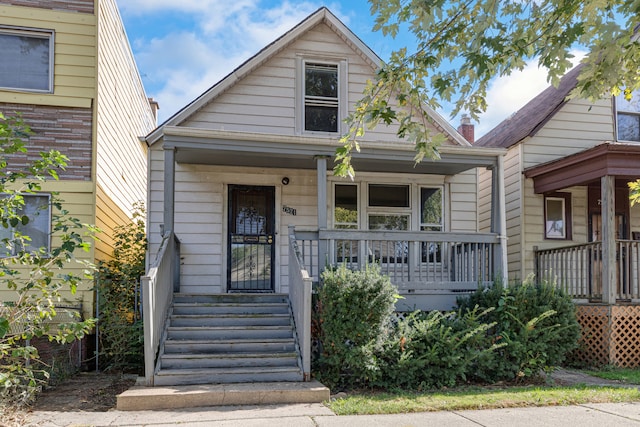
(68, 70)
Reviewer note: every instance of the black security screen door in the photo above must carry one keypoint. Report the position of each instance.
(251, 239)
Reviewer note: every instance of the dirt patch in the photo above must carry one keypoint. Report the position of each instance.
(86, 391)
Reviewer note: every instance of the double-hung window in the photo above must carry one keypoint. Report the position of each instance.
(27, 59)
(557, 216)
(35, 226)
(628, 117)
(321, 103)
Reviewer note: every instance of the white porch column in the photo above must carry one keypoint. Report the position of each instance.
(169, 189)
(608, 211)
(498, 220)
(321, 164)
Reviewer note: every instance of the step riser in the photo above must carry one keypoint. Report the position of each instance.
(166, 380)
(213, 310)
(231, 298)
(231, 362)
(229, 338)
(230, 321)
(228, 334)
(224, 348)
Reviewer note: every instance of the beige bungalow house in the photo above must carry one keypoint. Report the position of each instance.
(68, 70)
(244, 212)
(568, 215)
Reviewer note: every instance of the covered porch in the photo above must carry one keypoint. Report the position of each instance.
(602, 273)
(203, 167)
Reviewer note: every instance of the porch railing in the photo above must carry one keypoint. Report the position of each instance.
(413, 260)
(158, 286)
(300, 287)
(577, 269)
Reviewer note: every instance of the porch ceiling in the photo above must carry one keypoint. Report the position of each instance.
(295, 155)
(608, 159)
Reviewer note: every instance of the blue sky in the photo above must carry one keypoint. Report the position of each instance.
(184, 47)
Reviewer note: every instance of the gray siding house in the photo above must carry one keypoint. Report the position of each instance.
(244, 212)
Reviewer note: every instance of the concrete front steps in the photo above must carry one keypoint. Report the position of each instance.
(228, 338)
(141, 398)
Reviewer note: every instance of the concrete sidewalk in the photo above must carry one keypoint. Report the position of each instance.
(317, 415)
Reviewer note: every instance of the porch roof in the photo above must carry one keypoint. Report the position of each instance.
(607, 159)
(203, 146)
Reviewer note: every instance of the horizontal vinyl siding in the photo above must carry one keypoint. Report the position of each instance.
(124, 115)
(463, 194)
(200, 216)
(74, 63)
(578, 126)
(513, 210)
(534, 226)
(265, 100)
(108, 217)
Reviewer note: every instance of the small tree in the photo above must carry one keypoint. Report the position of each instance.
(37, 275)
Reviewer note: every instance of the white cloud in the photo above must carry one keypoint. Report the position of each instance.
(508, 94)
(179, 65)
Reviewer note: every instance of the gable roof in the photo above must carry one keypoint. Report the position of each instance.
(322, 15)
(535, 114)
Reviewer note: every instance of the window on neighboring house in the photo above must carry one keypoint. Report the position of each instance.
(27, 60)
(37, 209)
(557, 216)
(628, 117)
(321, 97)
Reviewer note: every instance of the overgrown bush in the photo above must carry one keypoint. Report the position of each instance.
(355, 309)
(37, 275)
(535, 322)
(120, 328)
(435, 349)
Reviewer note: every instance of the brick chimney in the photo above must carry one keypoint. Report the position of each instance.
(467, 129)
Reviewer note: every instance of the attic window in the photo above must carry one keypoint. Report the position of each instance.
(321, 97)
(628, 117)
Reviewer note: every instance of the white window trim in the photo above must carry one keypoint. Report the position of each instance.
(564, 218)
(616, 111)
(48, 231)
(301, 60)
(332, 201)
(443, 212)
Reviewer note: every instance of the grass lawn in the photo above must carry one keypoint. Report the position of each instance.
(625, 375)
(479, 398)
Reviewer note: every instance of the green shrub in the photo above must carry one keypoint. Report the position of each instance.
(536, 323)
(120, 328)
(432, 350)
(355, 309)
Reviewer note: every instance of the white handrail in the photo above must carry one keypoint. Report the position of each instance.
(157, 293)
(300, 286)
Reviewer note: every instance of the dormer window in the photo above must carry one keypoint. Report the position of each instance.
(321, 100)
(628, 117)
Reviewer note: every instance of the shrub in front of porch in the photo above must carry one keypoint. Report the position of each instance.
(354, 312)
(435, 349)
(536, 323)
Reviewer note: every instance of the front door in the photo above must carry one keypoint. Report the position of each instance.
(251, 248)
